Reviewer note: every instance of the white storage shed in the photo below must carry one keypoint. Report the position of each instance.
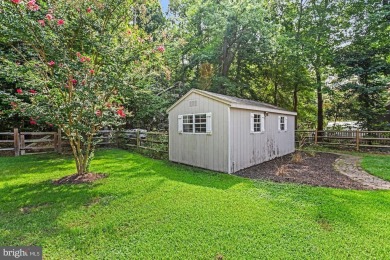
(227, 134)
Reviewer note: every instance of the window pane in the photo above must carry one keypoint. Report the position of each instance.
(188, 119)
(257, 123)
(201, 118)
(188, 128)
(257, 118)
(200, 128)
(282, 127)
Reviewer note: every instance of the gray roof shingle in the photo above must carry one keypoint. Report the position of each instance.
(242, 101)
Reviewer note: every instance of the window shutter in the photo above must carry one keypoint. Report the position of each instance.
(180, 124)
(262, 123)
(285, 123)
(252, 122)
(279, 123)
(208, 123)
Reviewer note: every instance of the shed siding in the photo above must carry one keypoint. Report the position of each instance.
(201, 150)
(248, 149)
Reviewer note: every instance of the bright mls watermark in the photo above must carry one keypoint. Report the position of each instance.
(20, 252)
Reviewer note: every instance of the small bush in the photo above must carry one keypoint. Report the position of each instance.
(297, 157)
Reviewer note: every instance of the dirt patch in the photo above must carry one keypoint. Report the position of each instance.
(77, 179)
(315, 170)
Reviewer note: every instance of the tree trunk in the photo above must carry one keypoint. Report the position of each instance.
(275, 93)
(296, 104)
(82, 153)
(226, 59)
(320, 102)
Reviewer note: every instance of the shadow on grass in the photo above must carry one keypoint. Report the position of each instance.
(183, 174)
(17, 168)
(30, 212)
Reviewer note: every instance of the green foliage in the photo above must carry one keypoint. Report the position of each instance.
(363, 66)
(74, 63)
(148, 209)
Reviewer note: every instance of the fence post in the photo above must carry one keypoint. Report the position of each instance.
(16, 142)
(316, 136)
(119, 137)
(22, 145)
(138, 139)
(357, 139)
(59, 141)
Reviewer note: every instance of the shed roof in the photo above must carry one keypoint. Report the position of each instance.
(236, 102)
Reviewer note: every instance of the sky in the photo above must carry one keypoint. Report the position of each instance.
(164, 5)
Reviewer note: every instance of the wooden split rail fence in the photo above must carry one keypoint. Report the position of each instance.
(355, 139)
(21, 143)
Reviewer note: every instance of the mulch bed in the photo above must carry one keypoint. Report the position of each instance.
(315, 170)
(77, 179)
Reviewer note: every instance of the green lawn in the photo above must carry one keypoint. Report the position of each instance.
(153, 209)
(378, 165)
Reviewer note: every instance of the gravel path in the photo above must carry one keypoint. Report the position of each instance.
(350, 166)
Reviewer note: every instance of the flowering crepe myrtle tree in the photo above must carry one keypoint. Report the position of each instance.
(74, 62)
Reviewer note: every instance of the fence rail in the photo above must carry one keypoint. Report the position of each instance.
(356, 139)
(20, 143)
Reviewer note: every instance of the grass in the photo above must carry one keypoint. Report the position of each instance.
(378, 165)
(149, 209)
(375, 164)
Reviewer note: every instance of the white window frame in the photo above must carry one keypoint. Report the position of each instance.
(208, 123)
(284, 123)
(261, 123)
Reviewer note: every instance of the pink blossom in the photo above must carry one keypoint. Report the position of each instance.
(41, 22)
(51, 63)
(89, 9)
(78, 54)
(16, 1)
(32, 121)
(31, 5)
(92, 71)
(88, 59)
(32, 91)
(49, 17)
(161, 48)
(121, 113)
(98, 112)
(83, 59)
(60, 22)
(14, 105)
(19, 91)
(74, 82)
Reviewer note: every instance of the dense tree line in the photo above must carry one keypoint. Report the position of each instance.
(328, 60)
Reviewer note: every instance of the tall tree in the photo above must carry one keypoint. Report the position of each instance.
(83, 60)
(363, 62)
